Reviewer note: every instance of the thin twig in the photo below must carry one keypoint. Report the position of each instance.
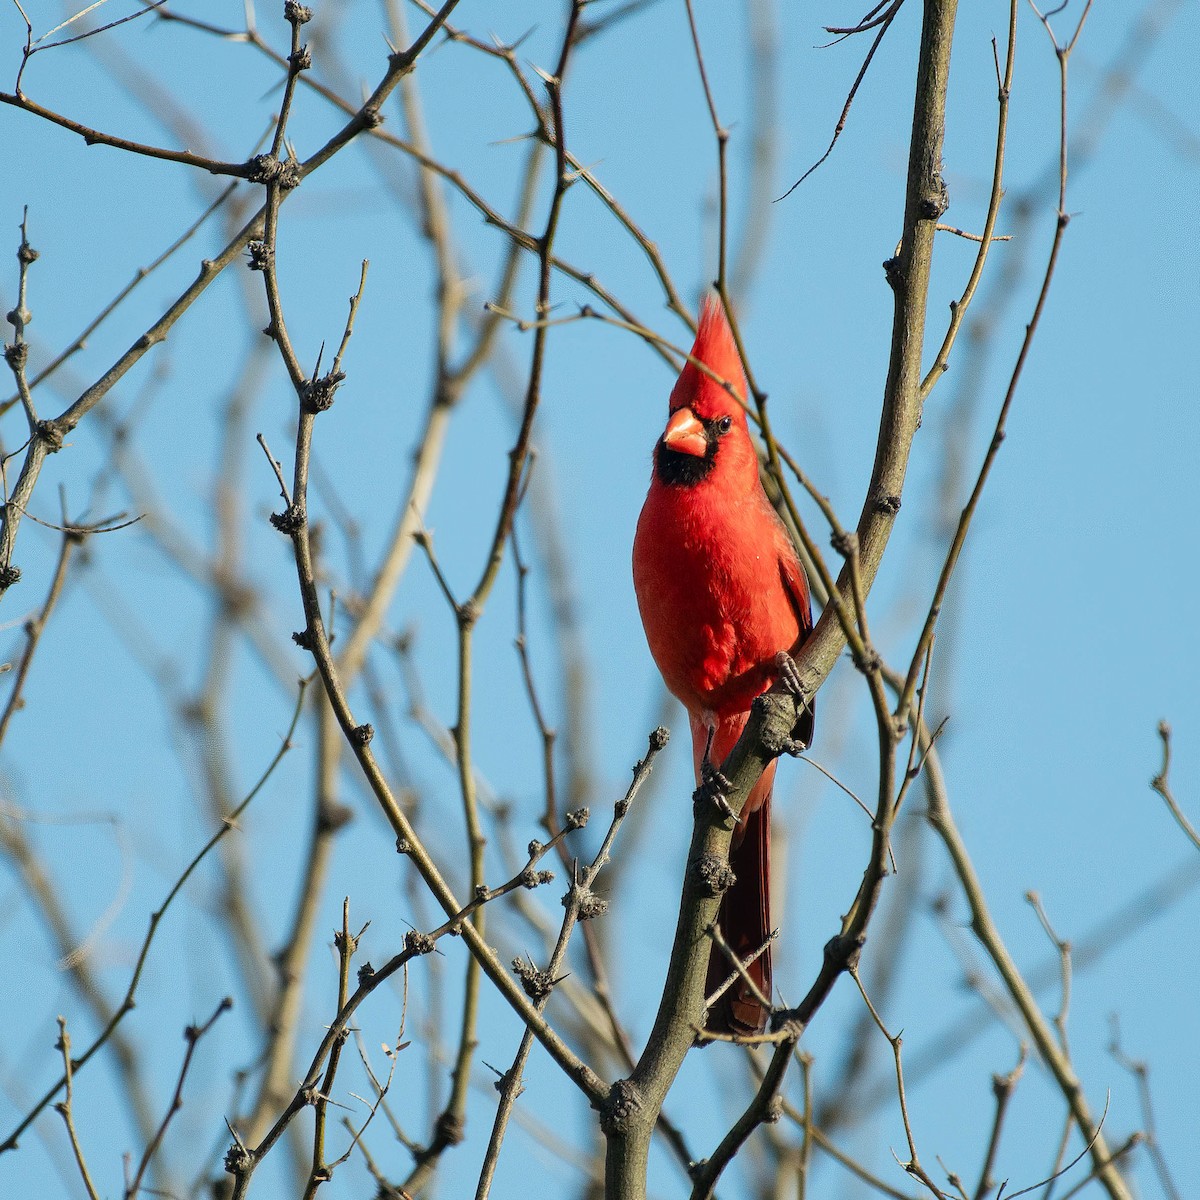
(1162, 785)
(191, 1035)
(1140, 1070)
(65, 1107)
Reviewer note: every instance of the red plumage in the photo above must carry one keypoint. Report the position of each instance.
(721, 593)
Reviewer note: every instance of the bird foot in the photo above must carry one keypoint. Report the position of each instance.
(789, 673)
(714, 789)
(789, 677)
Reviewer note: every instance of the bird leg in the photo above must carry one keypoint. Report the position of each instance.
(714, 787)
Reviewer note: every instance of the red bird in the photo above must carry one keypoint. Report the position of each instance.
(722, 594)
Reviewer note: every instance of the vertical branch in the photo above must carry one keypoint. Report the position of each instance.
(722, 136)
(634, 1103)
(42, 441)
(16, 353)
(763, 69)
(964, 524)
(66, 1110)
(346, 943)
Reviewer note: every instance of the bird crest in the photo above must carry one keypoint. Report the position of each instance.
(716, 349)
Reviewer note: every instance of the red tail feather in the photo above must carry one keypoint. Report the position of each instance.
(745, 923)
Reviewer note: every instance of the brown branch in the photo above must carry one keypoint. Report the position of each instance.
(1003, 1087)
(884, 23)
(1161, 784)
(582, 904)
(958, 308)
(65, 1107)
(314, 637)
(913, 1166)
(347, 944)
(1140, 1070)
(191, 1035)
(96, 137)
(942, 821)
(35, 627)
(49, 436)
(467, 613)
(629, 1116)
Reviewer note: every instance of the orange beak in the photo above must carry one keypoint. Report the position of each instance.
(685, 434)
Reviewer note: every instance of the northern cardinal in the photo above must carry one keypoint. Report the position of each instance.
(721, 594)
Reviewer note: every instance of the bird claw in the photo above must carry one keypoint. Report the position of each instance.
(789, 673)
(714, 789)
(789, 678)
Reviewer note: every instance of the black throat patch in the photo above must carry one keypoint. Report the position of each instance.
(677, 469)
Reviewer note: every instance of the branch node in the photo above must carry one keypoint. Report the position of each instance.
(779, 712)
(714, 875)
(449, 1129)
(468, 613)
(260, 254)
(417, 943)
(934, 205)
(537, 983)
(868, 663)
(237, 1159)
(296, 14)
(887, 502)
(263, 168)
(618, 1107)
(508, 1080)
(842, 952)
(50, 433)
(291, 520)
(588, 904)
(845, 543)
(317, 394)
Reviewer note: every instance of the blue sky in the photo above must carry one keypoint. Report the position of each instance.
(1068, 638)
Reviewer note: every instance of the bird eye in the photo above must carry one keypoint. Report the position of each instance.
(725, 424)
